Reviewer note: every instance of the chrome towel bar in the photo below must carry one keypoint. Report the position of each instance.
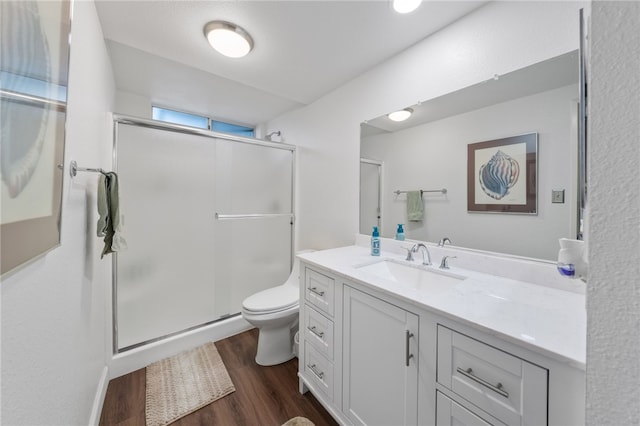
(422, 191)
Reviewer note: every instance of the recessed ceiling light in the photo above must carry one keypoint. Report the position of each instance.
(228, 39)
(401, 115)
(406, 6)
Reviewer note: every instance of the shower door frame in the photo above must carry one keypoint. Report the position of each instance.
(160, 125)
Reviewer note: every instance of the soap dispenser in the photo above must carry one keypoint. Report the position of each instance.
(571, 259)
(400, 233)
(375, 242)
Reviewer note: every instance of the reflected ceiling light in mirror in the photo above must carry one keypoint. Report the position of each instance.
(400, 115)
(406, 6)
(228, 39)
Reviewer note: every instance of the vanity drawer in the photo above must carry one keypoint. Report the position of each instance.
(318, 331)
(318, 370)
(319, 290)
(450, 413)
(505, 386)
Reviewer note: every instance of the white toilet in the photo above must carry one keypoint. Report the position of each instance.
(274, 312)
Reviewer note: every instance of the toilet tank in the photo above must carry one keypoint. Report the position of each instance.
(294, 277)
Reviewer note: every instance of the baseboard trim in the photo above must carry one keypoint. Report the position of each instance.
(98, 401)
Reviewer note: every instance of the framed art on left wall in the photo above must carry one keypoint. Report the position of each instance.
(33, 94)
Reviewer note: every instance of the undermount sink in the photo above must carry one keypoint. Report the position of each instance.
(406, 273)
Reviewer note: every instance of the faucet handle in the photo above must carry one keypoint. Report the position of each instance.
(444, 241)
(444, 264)
(410, 251)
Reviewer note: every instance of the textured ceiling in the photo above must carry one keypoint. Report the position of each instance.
(303, 49)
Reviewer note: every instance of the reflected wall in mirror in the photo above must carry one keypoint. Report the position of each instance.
(429, 152)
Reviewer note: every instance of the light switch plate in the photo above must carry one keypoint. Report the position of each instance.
(557, 196)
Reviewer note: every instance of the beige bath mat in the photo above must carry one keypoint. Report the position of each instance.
(184, 383)
(299, 421)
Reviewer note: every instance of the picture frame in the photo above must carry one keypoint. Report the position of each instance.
(502, 175)
(33, 96)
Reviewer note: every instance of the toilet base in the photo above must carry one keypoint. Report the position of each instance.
(274, 346)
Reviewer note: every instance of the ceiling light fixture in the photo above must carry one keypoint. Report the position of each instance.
(401, 115)
(406, 6)
(228, 39)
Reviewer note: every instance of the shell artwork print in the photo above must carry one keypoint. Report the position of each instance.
(498, 175)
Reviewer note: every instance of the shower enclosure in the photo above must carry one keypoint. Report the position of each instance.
(208, 219)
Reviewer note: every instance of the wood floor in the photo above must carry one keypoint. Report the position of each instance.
(264, 395)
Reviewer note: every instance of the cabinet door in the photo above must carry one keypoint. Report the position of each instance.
(380, 361)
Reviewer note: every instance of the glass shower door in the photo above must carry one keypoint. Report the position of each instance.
(254, 211)
(208, 222)
(165, 279)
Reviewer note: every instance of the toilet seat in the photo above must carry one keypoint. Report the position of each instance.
(272, 300)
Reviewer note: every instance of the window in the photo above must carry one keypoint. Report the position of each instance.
(31, 86)
(221, 126)
(176, 117)
(199, 121)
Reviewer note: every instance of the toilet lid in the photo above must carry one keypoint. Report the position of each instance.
(272, 299)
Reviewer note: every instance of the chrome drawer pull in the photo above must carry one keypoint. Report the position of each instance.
(496, 388)
(408, 355)
(313, 329)
(315, 371)
(316, 291)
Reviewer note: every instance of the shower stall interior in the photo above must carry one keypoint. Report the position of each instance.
(208, 219)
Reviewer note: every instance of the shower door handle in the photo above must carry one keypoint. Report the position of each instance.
(221, 216)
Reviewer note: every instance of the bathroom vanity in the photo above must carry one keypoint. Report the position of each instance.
(391, 342)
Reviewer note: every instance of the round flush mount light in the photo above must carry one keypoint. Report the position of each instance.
(400, 115)
(228, 39)
(406, 6)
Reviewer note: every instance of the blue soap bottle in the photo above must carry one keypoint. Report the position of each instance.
(375, 242)
(400, 233)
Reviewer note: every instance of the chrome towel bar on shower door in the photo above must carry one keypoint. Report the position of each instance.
(220, 216)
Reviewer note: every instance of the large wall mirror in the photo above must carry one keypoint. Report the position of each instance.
(428, 152)
(33, 93)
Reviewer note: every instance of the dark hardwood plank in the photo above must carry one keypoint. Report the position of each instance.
(264, 396)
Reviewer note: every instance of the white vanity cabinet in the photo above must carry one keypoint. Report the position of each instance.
(380, 361)
(372, 357)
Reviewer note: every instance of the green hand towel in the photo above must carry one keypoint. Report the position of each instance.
(109, 210)
(415, 207)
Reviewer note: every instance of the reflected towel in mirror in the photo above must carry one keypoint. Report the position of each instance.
(415, 207)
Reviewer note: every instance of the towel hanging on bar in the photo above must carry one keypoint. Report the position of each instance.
(109, 210)
(415, 206)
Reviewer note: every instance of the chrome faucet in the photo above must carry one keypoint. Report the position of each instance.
(444, 241)
(445, 264)
(425, 260)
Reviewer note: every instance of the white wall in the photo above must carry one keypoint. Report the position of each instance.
(434, 155)
(613, 289)
(497, 38)
(54, 311)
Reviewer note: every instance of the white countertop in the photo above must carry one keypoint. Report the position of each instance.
(547, 320)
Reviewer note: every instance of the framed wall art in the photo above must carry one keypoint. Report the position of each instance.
(33, 96)
(502, 175)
